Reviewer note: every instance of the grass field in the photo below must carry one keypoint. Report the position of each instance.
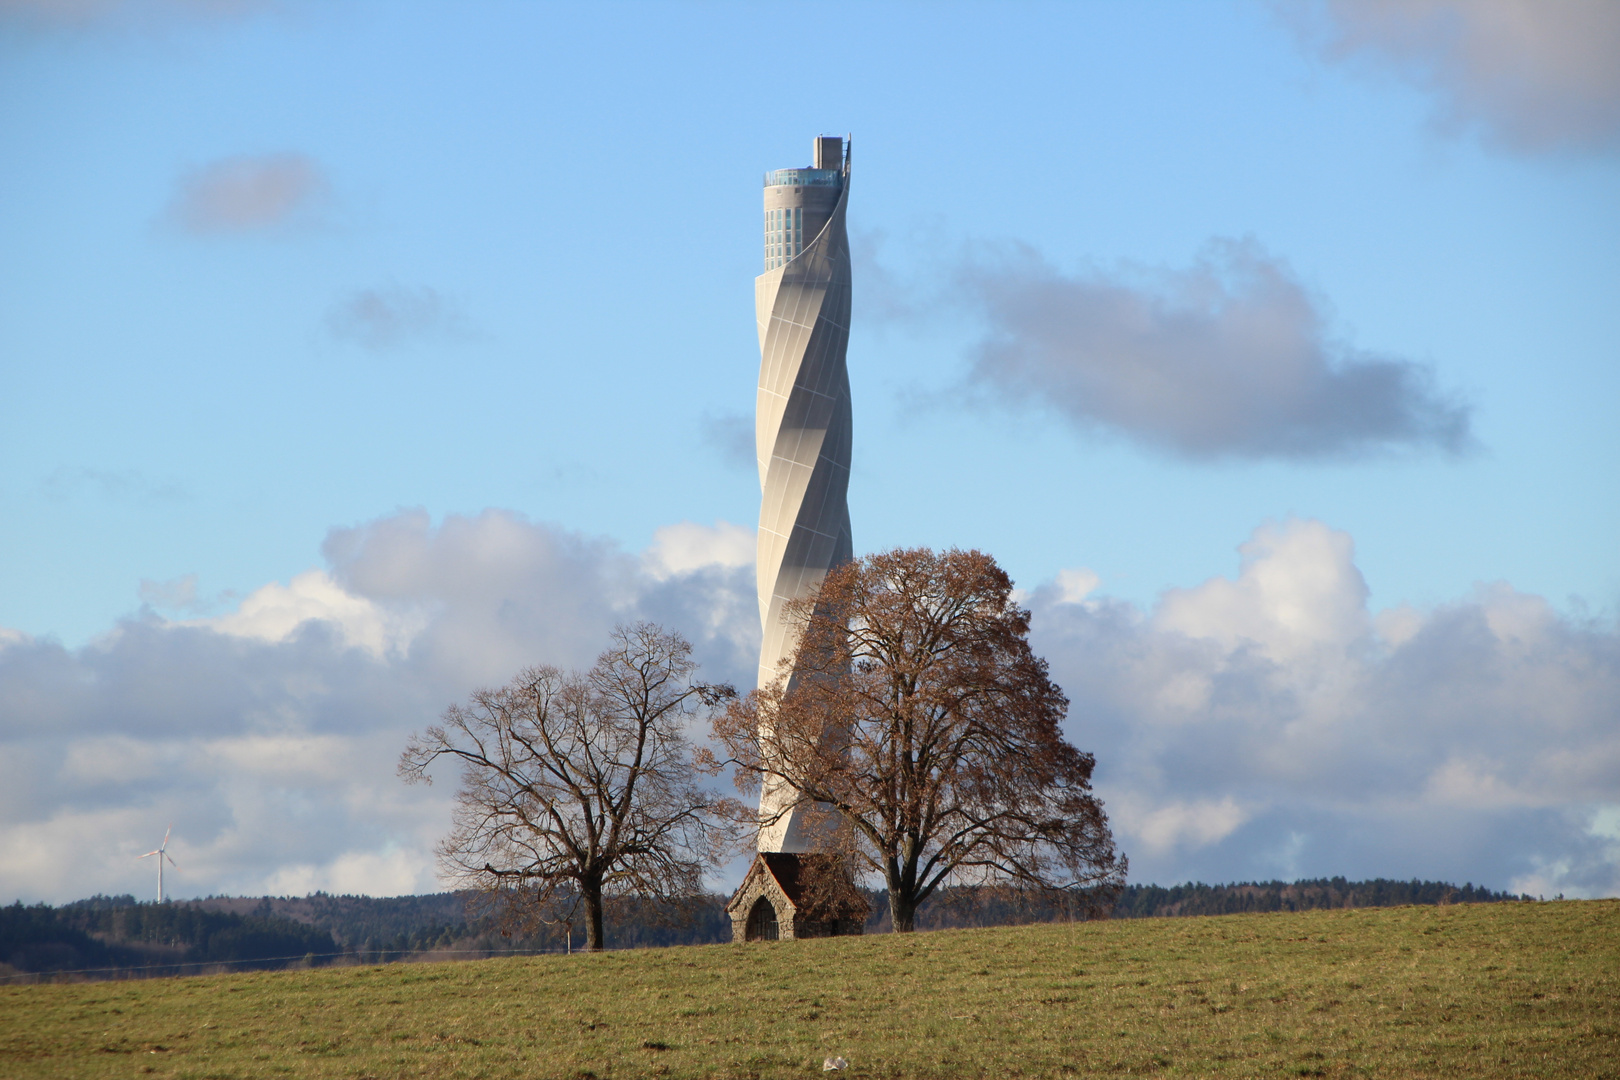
(1510, 990)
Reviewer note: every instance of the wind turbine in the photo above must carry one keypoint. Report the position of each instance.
(162, 853)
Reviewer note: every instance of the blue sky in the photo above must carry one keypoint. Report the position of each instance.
(277, 275)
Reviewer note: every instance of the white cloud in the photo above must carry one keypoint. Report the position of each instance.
(689, 546)
(248, 192)
(1298, 589)
(115, 759)
(1270, 723)
(392, 871)
(1398, 625)
(275, 612)
(1073, 586)
(65, 483)
(47, 858)
(281, 759)
(1229, 358)
(1475, 784)
(126, 14)
(1533, 75)
(1592, 872)
(176, 594)
(1606, 823)
(394, 315)
(1197, 824)
(730, 435)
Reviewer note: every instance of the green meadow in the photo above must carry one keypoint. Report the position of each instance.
(1507, 989)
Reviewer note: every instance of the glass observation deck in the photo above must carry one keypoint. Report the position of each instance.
(804, 178)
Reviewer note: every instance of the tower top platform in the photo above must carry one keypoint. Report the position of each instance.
(804, 178)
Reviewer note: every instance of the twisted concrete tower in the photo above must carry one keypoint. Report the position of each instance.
(802, 415)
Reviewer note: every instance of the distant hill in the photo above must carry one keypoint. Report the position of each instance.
(117, 936)
(989, 907)
(384, 928)
(109, 935)
(1140, 901)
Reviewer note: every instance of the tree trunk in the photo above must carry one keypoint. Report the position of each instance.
(902, 911)
(592, 895)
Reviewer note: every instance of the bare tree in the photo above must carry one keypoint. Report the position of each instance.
(581, 786)
(914, 716)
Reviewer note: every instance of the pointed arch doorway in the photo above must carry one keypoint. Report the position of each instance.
(762, 925)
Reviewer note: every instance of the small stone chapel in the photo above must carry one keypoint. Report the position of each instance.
(786, 895)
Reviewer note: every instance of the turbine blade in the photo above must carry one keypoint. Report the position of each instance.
(148, 855)
(166, 833)
(171, 861)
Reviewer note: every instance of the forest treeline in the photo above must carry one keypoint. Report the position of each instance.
(119, 935)
(111, 937)
(986, 907)
(1142, 901)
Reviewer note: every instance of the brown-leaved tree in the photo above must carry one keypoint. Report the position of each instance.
(581, 786)
(919, 723)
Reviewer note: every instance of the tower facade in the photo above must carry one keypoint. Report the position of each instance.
(802, 417)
